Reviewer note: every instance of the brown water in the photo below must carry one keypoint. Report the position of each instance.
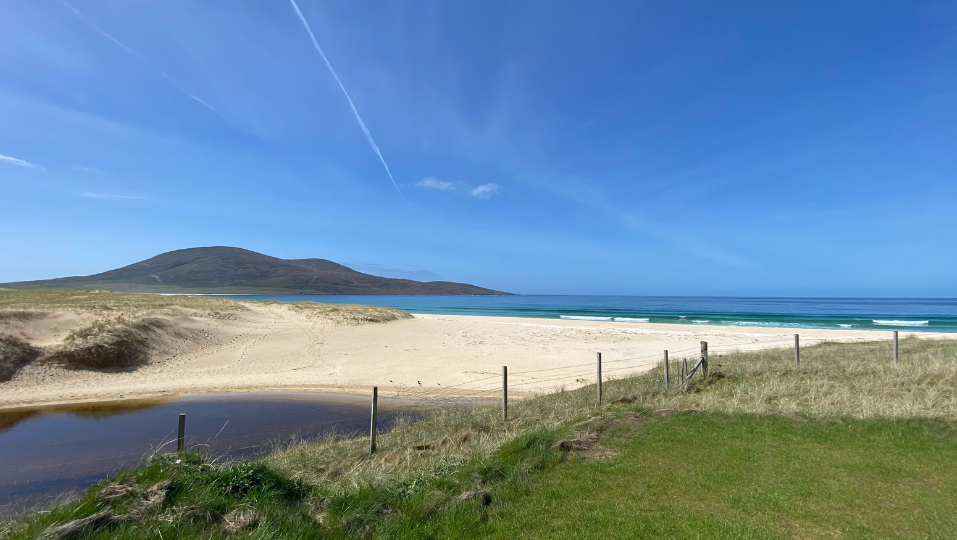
(47, 454)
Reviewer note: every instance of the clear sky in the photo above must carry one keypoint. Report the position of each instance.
(718, 148)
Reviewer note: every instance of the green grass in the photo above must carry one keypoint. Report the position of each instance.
(747, 476)
(848, 445)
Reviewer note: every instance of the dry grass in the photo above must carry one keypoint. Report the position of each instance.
(347, 313)
(13, 354)
(113, 343)
(127, 327)
(108, 302)
(835, 380)
(858, 380)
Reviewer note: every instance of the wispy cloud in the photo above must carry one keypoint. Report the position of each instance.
(20, 162)
(485, 191)
(375, 147)
(93, 195)
(123, 46)
(434, 183)
(81, 168)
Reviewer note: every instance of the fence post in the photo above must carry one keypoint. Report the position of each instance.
(374, 431)
(704, 360)
(599, 378)
(504, 392)
(181, 435)
(684, 370)
(667, 382)
(797, 350)
(896, 358)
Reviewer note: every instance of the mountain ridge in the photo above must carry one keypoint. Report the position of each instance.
(225, 270)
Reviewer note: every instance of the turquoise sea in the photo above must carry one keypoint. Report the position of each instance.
(911, 314)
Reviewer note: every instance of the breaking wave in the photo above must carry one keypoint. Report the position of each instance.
(583, 318)
(631, 319)
(901, 323)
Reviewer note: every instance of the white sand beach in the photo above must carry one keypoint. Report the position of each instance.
(270, 347)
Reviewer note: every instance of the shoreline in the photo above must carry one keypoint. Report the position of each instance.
(425, 358)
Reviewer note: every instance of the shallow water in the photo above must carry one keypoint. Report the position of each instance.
(50, 453)
(910, 314)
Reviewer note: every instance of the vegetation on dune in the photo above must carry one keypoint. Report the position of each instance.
(347, 313)
(13, 354)
(111, 343)
(763, 450)
(125, 328)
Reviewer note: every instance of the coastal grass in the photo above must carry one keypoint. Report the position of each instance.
(120, 330)
(762, 450)
(115, 307)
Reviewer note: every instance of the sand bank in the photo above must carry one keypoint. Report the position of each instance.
(275, 348)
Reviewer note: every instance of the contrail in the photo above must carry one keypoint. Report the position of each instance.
(375, 147)
(137, 55)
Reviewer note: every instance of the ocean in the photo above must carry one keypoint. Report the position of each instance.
(910, 314)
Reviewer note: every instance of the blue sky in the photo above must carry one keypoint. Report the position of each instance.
(753, 148)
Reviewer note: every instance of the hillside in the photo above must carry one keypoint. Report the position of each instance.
(238, 271)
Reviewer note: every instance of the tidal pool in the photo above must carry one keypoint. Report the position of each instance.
(50, 453)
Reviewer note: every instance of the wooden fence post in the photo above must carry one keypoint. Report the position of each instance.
(599, 378)
(896, 358)
(181, 434)
(684, 370)
(667, 381)
(797, 350)
(704, 360)
(504, 392)
(374, 429)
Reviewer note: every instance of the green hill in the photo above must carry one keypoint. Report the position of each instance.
(234, 270)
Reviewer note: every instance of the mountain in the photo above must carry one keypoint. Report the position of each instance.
(234, 270)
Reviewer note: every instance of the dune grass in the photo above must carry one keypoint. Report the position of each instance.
(847, 445)
(122, 329)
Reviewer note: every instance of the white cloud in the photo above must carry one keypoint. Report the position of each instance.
(433, 183)
(81, 168)
(20, 162)
(485, 191)
(111, 196)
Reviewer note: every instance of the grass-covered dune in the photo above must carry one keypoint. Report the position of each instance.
(848, 445)
(102, 330)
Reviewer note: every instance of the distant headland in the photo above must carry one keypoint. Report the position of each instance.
(230, 270)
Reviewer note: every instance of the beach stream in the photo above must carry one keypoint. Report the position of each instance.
(49, 453)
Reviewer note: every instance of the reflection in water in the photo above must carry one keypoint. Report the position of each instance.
(105, 409)
(48, 452)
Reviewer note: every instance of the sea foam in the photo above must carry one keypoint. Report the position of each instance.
(902, 323)
(631, 319)
(583, 318)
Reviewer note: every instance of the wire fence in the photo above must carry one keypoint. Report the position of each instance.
(40, 469)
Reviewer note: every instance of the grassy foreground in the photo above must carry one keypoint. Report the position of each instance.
(847, 446)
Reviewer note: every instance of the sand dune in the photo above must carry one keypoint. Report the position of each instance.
(277, 347)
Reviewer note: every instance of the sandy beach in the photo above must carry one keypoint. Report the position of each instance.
(270, 347)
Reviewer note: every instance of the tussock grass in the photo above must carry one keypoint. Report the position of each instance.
(348, 313)
(834, 380)
(13, 354)
(111, 343)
